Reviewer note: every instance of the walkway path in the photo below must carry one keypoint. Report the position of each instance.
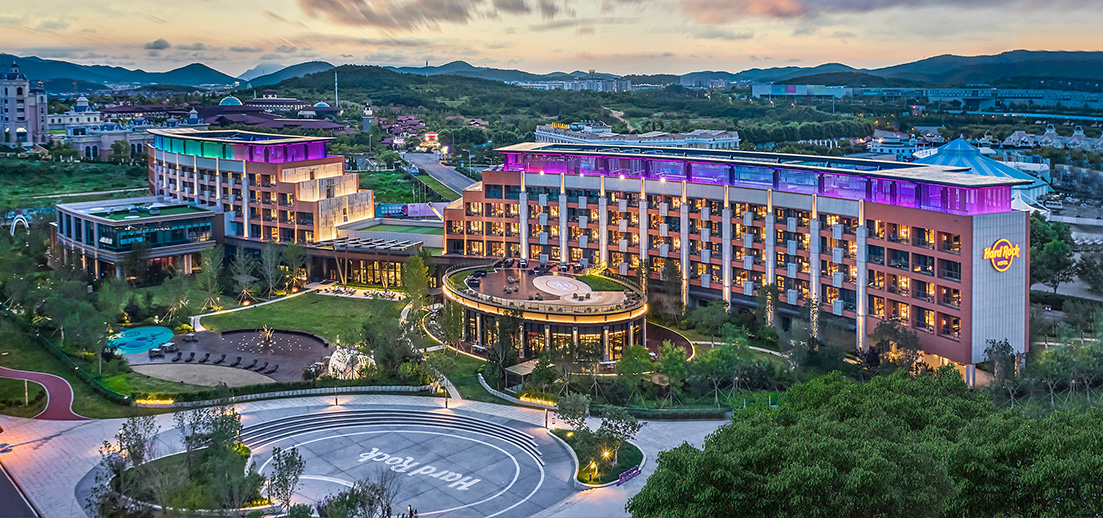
(430, 162)
(49, 458)
(59, 394)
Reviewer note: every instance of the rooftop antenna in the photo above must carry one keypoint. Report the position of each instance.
(426, 68)
(336, 100)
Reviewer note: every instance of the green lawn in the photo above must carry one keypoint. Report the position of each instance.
(439, 188)
(599, 283)
(324, 315)
(464, 377)
(393, 186)
(25, 179)
(389, 186)
(24, 354)
(406, 229)
(12, 394)
(628, 456)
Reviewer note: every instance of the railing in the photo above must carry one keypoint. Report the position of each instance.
(951, 301)
(950, 332)
(634, 299)
(950, 275)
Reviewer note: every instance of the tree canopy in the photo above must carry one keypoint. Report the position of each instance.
(896, 446)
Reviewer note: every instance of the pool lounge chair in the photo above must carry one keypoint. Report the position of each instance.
(206, 358)
(262, 367)
(251, 365)
(236, 362)
(177, 357)
(272, 370)
(220, 360)
(191, 357)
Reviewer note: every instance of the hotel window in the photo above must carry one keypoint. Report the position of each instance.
(576, 254)
(923, 238)
(493, 191)
(924, 319)
(923, 264)
(949, 326)
(875, 254)
(950, 297)
(950, 243)
(898, 233)
(876, 279)
(923, 290)
(950, 270)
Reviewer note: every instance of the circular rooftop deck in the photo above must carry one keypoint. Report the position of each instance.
(543, 291)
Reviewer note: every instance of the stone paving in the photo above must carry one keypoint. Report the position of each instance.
(54, 460)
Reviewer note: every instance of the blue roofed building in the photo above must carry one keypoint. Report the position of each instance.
(960, 153)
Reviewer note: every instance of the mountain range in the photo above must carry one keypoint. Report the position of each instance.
(462, 68)
(1019, 67)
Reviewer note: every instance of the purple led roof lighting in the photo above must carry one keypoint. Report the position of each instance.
(902, 193)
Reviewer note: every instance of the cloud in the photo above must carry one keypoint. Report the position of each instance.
(578, 22)
(512, 6)
(197, 46)
(159, 44)
(753, 57)
(52, 25)
(238, 48)
(287, 49)
(716, 12)
(793, 60)
(843, 36)
(713, 33)
(393, 14)
(273, 16)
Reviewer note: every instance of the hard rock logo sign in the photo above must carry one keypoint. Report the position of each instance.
(1002, 253)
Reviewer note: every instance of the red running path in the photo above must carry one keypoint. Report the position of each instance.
(59, 394)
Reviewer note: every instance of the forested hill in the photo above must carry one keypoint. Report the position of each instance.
(512, 108)
(468, 96)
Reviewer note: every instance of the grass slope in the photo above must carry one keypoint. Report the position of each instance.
(323, 315)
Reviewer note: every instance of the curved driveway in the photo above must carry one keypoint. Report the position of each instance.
(59, 394)
(430, 162)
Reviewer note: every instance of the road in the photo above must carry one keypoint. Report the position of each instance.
(15, 506)
(449, 177)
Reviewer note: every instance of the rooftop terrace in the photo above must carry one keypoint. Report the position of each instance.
(943, 175)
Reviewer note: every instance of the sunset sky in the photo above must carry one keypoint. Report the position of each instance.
(618, 36)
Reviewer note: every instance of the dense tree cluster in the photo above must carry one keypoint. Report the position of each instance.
(896, 446)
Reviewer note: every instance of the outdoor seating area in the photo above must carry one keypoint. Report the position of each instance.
(283, 358)
(361, 293)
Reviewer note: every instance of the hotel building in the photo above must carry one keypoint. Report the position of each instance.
(270, 187)
(96, 236)
(935, 248)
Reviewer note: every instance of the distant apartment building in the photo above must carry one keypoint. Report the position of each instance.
(973, 97)
(705, 83)
(595, 85)
(268, 187)
(932, 248)
(597, 132)
(24, 110)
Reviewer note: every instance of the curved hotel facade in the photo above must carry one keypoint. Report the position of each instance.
(934, 248)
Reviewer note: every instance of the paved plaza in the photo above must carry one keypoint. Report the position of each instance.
(473, 459)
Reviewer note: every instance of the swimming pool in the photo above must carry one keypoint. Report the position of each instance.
(141, 339)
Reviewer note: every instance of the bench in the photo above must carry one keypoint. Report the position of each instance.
(632, 473)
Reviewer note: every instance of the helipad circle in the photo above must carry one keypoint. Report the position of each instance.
(441, 473)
